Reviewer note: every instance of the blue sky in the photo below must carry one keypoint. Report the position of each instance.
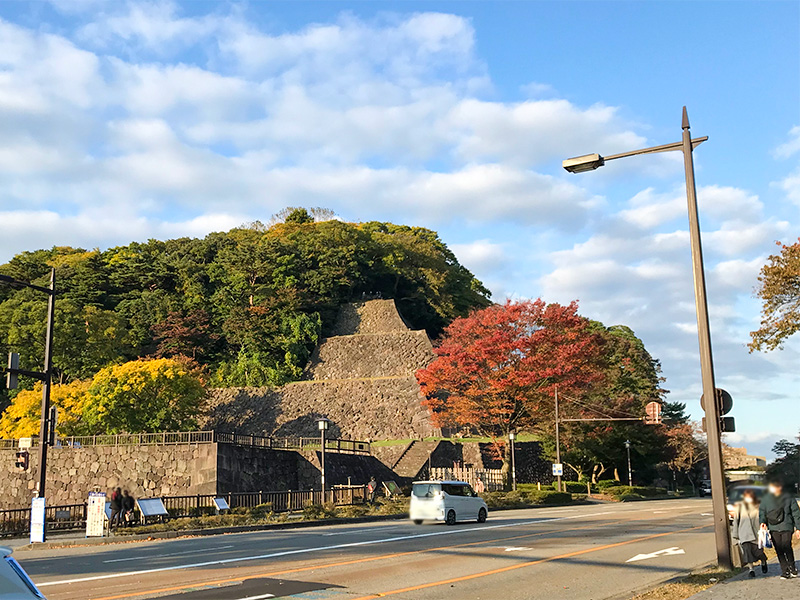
(128, 120)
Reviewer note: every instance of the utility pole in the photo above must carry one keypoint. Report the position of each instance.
(44, 425)
(558, 440)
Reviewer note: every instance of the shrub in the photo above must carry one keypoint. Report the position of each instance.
(550, 497)
(608, 483)
(319, 511)
(630, 497)
(645, 492)
(573, 487)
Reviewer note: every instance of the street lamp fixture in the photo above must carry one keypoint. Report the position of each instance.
(590, 162)
(322, 425)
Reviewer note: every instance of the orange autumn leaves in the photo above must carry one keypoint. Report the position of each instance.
(496, 370)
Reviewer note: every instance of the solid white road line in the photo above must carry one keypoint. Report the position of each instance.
(261, 597)
(114, 560)
(400, 538)
(225, 561)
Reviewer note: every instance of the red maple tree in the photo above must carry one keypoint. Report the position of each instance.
(496, 370)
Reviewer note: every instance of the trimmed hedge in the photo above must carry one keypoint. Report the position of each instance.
(608, 483)
(522, 498)
(644, 492)
(573, 487)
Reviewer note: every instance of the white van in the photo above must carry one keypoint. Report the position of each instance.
(448, 501)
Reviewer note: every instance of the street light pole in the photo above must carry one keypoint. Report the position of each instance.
(511, 437)
(323, 427)
(558, 440)
(589, 162)
(630, 473)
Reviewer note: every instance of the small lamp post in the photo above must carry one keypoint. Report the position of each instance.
(511, 437)
(628, 448)
(322, 424)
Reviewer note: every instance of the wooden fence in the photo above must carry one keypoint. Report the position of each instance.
(492, 478)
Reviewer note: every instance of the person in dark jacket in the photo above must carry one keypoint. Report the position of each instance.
(116, 508)
(128, 503)
(780, 514)
(745, 532)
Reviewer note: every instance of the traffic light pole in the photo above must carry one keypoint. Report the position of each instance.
(44, 425)
(46, 376)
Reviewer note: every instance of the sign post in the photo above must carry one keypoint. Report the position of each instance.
(37, 520)
(96, 514)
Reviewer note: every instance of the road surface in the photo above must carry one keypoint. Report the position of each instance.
(578, 553)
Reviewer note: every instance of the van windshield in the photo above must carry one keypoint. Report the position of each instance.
(425, 490)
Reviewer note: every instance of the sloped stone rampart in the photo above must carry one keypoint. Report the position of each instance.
(362, 409)
(372, 316)
(362, 379)
(370, 355)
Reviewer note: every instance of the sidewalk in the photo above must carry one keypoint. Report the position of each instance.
(742, 587)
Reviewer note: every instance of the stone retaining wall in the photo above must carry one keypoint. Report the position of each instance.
(144, 470)
(178, 470)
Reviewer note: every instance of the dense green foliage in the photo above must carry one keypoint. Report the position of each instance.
(248, 305)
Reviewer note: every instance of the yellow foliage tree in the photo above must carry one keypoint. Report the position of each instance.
(22, 417)
(145, 396)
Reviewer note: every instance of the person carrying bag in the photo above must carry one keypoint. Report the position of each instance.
(780, 515)
(748, 534)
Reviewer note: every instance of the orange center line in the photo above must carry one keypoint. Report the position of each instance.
(357, 560)
(525, 564)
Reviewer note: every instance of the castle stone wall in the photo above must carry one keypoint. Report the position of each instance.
(144, 470)
(362, 379)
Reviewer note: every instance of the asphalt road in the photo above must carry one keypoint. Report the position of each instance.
(574, 553)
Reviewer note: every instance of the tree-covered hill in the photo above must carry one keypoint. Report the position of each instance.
(248, 304)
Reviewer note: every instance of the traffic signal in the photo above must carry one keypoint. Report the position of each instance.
(22, 460)
(724, 406)
(653, 413)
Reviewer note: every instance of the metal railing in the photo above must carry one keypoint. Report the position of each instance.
(16, 521)
(203, 437)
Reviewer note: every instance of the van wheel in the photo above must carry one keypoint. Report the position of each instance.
(417, 521)
(451, 518)
(482, 515)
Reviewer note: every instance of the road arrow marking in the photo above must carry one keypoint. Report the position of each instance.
(666, 552)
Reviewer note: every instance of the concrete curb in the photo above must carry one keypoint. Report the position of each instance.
(166, 535)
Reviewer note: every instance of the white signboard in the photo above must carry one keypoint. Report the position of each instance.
(558, 469)
(37, 520)
(95, 514)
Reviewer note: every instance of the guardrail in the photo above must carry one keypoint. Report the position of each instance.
(16, 521)
(203, 437)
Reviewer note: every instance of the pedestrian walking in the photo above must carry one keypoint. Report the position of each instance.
(116, 508)
(372, 488)
(780, 515)
(479, 486)
(746, 524)
(128, 504)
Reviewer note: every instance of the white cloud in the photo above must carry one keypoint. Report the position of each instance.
(791, 146)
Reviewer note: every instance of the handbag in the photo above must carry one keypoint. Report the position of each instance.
(764, 539)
